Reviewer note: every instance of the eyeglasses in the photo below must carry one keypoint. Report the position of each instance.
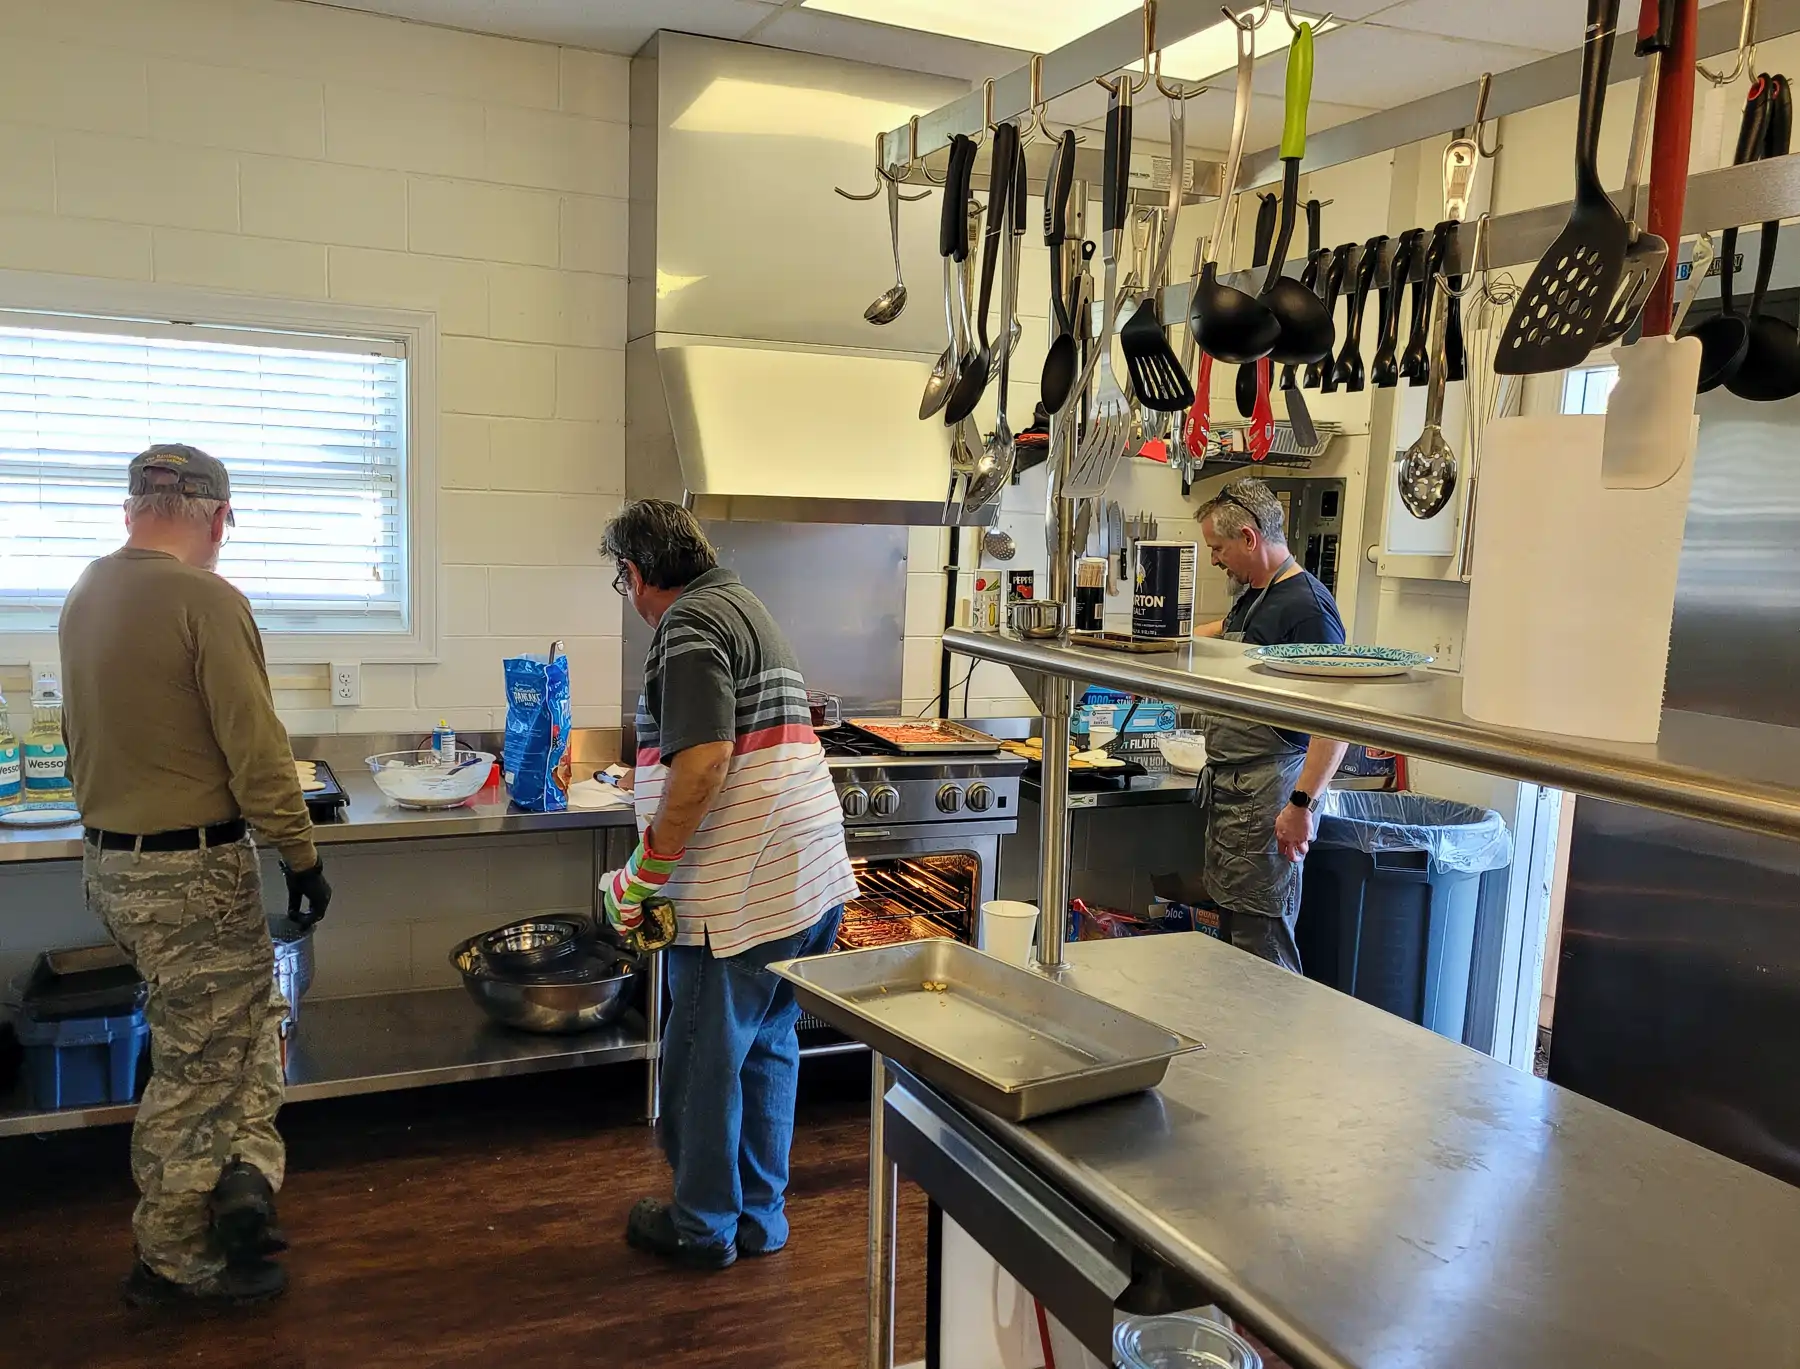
(622, 578)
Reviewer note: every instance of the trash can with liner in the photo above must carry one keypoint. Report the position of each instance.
(1390, 897)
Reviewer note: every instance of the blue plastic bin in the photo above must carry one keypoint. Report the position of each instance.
(84, 1060)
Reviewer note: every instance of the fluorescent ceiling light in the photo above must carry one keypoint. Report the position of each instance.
(759, 108)
(1045, 25)
(1028, 25)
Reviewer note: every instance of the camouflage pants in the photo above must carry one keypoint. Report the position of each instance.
(193, 924)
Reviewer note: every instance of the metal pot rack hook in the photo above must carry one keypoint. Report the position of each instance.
(1249, 25)
(1479, 278)
(883, 175)
(987, 112)
(1746, 51)
(914, 161)
(1319, 25)
(1481, 120)
(1035, 128)
(1152, 58)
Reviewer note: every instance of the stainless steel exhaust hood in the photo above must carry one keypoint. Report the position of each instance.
(755, 389)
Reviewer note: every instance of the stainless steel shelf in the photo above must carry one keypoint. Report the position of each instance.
(1725, 770)
(369, 817)
(386, 1042)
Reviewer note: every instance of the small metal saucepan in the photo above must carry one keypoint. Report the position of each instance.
(1037, 618)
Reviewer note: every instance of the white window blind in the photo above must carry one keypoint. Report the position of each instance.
(311, 428)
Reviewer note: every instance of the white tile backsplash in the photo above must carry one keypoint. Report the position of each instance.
(367, 126)
(27, 168)
(134, 180)
(228, 261)
(351, 206)
(75, 247)
(59, 85)
(254, 111)
(486, 222)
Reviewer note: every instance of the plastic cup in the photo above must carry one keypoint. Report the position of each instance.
(1181, 1340)
(1007, 930)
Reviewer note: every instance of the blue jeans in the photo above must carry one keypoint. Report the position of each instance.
(730, 1066)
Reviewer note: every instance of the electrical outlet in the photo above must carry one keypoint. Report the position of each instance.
(46, 675)
(346, 684)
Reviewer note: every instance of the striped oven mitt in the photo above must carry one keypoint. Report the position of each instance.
(644, 921)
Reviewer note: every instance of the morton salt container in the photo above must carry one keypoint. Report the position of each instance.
(1162, 600)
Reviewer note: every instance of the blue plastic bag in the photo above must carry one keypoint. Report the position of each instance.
(535, 760)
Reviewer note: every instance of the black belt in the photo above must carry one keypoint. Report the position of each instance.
(183, 839)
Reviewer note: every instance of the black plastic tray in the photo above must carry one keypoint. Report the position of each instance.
(84, 981)
(327, 804)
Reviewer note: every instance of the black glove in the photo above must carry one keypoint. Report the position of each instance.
(311, 886)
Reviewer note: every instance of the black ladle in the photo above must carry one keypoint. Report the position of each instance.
(1061, 360)
(1245, 388)
(1232, 325)
(1770, 369)
(1384, 370)
(1307, 333)
(1318, 375)
(1347, 373)
(1725, 337)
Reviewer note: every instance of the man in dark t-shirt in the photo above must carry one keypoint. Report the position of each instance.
(1263, 783)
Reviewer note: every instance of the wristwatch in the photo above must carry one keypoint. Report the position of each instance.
(1301, 799)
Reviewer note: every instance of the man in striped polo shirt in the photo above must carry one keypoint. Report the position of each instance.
(740, 828)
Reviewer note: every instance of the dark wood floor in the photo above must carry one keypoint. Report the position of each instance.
(479, 1224)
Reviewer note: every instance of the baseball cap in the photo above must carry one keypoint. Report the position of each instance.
(198, 475)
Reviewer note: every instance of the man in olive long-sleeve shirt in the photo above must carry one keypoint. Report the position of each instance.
(174, 747)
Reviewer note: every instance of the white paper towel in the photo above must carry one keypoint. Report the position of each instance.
(1573, 587)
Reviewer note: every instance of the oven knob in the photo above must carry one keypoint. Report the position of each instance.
(981, 798)
(884, 801)
(856, 801)
(949, 798)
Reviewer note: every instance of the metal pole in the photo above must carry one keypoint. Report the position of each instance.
(884, 1183)
(1053, 872)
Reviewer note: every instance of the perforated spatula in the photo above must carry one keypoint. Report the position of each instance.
(1564, 304)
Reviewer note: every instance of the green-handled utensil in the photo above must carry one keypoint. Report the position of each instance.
(1306, 333)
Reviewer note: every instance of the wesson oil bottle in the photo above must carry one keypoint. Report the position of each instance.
(46, 761)
(11, 767)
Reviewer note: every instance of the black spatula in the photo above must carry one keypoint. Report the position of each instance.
(1563, 307)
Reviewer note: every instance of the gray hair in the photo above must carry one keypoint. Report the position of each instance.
(1246, 503)
(664, 541)
(170, 503)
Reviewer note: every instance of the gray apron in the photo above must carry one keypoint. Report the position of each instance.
(1251, 769)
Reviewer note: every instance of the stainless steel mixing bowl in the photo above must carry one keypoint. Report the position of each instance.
(591, 993)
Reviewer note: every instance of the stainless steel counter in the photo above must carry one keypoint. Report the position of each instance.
(1167, 787)
(1744, 774)
(1362, 1192)
(370, 817)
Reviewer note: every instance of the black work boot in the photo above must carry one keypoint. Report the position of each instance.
(242, 1284)
(241, 1209)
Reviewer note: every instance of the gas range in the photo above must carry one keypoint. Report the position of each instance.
(879, 787)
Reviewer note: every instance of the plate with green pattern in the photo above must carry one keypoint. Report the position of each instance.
(1343, 662)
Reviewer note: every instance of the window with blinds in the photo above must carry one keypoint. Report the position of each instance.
(311, 428)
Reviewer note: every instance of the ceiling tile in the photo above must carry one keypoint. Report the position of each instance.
(621, 26)
(858, 40)
(1367, 64)
(1551, 25)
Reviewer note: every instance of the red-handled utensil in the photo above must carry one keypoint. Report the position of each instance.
(1199, 424)
(1261, 437)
